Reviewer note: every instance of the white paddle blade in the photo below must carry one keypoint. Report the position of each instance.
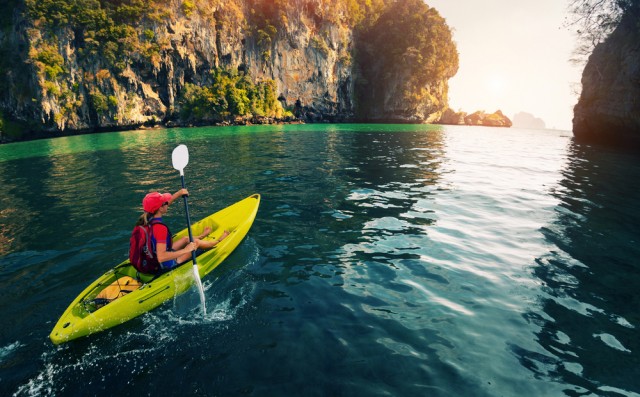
(196, 276)
(180, 158)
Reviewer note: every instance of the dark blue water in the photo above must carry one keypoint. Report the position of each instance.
(384, 260)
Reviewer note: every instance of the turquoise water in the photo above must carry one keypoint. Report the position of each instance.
(393, 260)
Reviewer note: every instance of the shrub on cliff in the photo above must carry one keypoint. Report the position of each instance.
(102, 27)
(231, 94)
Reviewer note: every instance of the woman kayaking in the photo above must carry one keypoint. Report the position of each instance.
(171, 253)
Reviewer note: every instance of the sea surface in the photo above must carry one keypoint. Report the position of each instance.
(385, 260)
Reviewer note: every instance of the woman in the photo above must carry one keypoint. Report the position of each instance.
(170, 253)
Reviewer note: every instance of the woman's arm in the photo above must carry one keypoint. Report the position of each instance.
(178, 194)
(164, 255)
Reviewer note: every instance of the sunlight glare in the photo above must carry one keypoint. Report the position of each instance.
(496, 84)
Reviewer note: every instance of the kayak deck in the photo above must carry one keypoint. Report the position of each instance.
(87, 315)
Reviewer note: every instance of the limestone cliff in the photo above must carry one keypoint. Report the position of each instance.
(85, 74)
(608, 110)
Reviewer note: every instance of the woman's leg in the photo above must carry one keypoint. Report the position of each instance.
(207, 244)
(184, 258)
(180, 243)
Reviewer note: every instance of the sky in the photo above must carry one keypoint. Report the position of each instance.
(514, 56)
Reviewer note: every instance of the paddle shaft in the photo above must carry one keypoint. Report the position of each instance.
(180, 159)
(186, 210)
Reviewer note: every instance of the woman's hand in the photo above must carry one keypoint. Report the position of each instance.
(192, 246)
(178, 194)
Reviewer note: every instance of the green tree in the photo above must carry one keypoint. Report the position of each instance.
(100, 102)
(411, 43)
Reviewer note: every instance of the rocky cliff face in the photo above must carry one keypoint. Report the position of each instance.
(312, 72)
(608, 110)
(57, 86)
(311, 68)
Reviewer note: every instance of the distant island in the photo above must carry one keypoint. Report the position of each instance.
(527, 120)
(496, 119)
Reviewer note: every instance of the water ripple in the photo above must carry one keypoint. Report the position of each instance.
(385, 260)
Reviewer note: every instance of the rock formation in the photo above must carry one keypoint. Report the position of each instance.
(452, 117)
(608, 110)
(497, 119)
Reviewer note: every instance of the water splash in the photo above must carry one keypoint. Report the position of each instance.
(6, 351)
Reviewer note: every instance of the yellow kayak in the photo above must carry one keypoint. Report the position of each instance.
(118, 295)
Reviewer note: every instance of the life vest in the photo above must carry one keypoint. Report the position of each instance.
(169, 242)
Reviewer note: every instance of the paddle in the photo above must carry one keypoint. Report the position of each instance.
(180, 159)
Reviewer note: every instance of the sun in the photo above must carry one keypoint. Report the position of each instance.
(496, 84)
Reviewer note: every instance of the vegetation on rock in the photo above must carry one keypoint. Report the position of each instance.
(231, 94)
(409, 42)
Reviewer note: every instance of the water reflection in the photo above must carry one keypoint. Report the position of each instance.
(339, 186)
(589, 303)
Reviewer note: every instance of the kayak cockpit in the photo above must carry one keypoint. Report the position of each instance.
(113, 285)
